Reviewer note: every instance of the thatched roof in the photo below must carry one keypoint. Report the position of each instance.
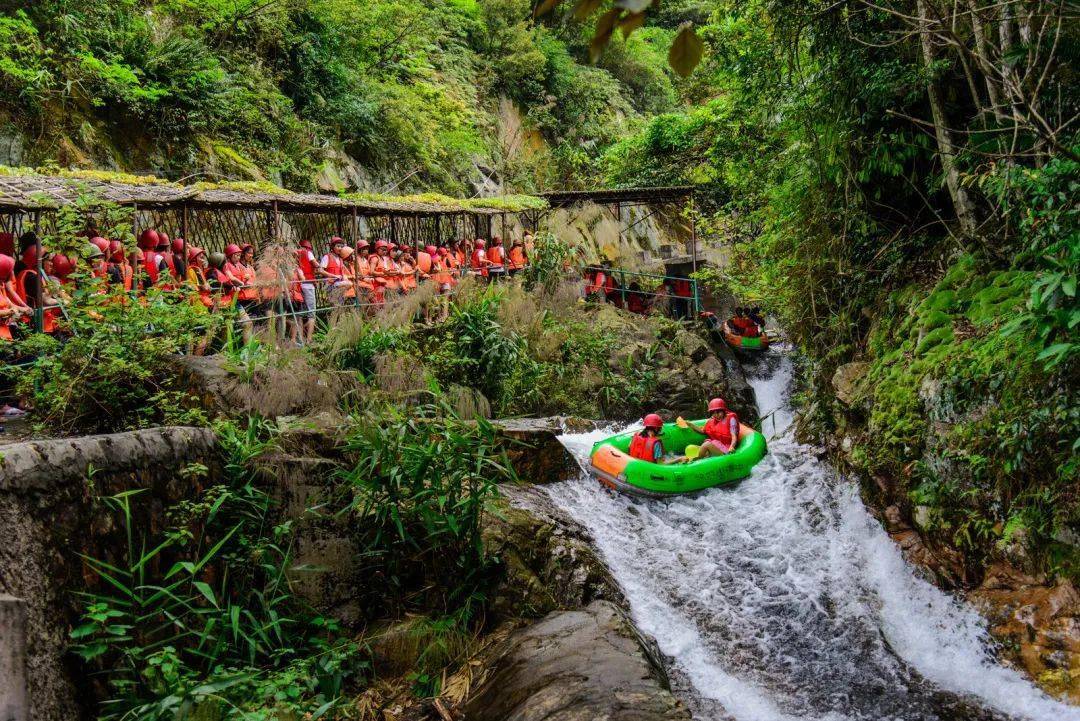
(28, 191)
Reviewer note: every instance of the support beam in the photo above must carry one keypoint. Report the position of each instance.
(14, 699)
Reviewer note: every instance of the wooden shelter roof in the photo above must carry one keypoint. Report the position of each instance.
(34, 191)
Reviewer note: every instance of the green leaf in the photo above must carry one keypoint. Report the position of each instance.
(1068, 286)
(686, 51)
(206, 591)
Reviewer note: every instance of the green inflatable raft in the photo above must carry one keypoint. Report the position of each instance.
(611, 463)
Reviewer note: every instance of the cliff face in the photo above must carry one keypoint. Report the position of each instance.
(965, 439)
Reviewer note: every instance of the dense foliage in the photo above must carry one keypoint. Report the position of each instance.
(898, 183)
(201, 614)
(277, 91)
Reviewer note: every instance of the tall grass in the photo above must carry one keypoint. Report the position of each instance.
(203, 611)
(421, 479)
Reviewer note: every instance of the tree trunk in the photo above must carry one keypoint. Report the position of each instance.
(986, 65)
(965, 209)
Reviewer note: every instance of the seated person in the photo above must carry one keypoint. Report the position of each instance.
(721, 430)
(646, 445)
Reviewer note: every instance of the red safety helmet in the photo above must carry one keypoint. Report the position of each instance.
(444, 251)
(231, 249)
(717, 404)
(193, 253)
(148, 239)
(178, 245)
(496, 240)
(653, 421)
(7, 265)
(306, 244)
(335, 241)
(63, 266)
(362, 244)
(430, 249)
(116, 251)
(163, 240)
(381, 244)
(101, 243)
(480, 243)
(392, 245)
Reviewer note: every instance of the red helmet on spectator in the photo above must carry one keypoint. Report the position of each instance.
(231, 249)
(306, 244)
(380, 243)
(360, 244)
(163, 240)
(481, 243)
(178, 245)
(63, 266)
(496, 240)
(193, 253)
(717, 404)
(444, 251)
(101, 243)
(653, 421)
(336, 241)
(148, 239)
(430, 249)
(7, 265)
(116, 251)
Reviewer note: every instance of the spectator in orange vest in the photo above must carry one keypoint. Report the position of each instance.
(305, 261)
(496, 256)
(518, 257)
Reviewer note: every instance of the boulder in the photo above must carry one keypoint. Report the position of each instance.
(545, 558)
(846, 380)
(534, 449)
(1038, 623)
(574, 666)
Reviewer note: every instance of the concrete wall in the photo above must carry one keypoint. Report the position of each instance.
(49, 515)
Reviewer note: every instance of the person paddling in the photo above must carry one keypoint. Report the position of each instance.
(721, 430)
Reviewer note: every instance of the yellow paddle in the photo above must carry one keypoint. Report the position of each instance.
(681, 422)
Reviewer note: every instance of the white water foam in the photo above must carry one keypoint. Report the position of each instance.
(782, 598)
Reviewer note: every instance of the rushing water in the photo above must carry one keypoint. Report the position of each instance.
(781, 598)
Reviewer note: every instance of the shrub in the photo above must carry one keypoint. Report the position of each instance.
(422, 479)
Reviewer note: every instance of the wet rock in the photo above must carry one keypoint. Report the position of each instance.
(534, 449)
(573, 666)
(546, 560)
(846, 379)
(1038, 623)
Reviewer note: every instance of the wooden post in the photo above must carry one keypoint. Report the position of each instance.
(39, 296)
(14, 697)
(618, 224)
(693, 257)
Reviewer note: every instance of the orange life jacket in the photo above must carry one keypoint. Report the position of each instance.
(334, 266)
(296, 293)
(517, 257)
(720, 430)
(49, 316)
(408, 277)
(597, 284)
(478, 258)
(247, 275)
(386, 269)
(643, 447)
(496, 256)
(150, 265)
(303, 261)
(424, 262)
(5, 327)
(441, 271)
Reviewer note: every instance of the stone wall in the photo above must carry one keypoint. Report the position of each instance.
(50, 513)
